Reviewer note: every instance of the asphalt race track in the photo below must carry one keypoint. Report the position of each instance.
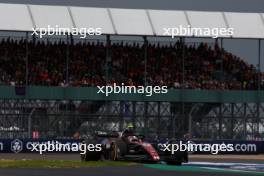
(105, 171)
(193, 168)
(125, 171)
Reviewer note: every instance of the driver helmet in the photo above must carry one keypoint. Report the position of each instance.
(129, 129)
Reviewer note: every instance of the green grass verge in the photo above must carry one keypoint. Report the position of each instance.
(58, 164)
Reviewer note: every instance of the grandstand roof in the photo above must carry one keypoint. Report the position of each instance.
(21, 17)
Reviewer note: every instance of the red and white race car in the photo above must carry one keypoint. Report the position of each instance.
(127, 146)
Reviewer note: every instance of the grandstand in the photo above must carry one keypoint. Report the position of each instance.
(48, 84)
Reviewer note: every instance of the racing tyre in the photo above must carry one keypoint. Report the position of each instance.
(122, 147)
(118, 150)
(90, 155)
(113, 152)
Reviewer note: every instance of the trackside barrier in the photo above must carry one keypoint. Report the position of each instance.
(215, 146)
(239, 147)
(25, 145)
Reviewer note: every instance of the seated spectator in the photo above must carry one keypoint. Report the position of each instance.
(205, 67)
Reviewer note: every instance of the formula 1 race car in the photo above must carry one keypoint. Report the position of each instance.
(127, 146)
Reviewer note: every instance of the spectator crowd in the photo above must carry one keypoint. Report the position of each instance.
(86, 64)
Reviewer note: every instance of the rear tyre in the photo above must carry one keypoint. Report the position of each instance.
(113, 152)
(90, 155)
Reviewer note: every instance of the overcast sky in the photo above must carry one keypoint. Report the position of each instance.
(246, 49)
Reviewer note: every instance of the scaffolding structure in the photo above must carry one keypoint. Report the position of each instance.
(62, 118)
